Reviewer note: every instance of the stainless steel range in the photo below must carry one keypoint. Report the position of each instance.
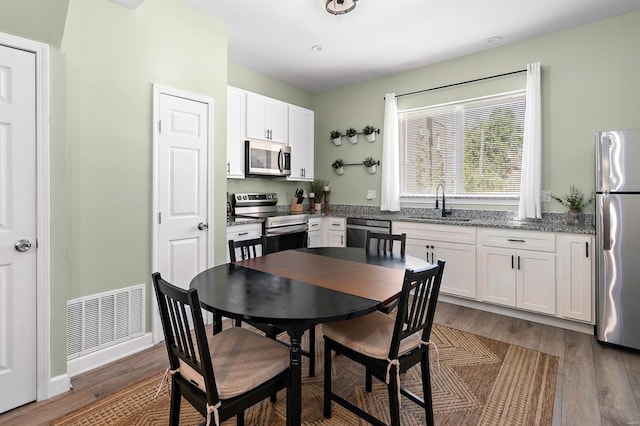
(284, 230)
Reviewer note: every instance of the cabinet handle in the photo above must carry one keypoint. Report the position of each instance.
(341, 240)
(512, 265)
(243, 233)
(228, 167)
(587, 248)
(518, 262)
(513, 240)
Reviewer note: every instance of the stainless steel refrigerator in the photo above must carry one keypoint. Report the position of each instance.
(618, 237)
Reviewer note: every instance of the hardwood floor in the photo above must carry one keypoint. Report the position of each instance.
(597, 385)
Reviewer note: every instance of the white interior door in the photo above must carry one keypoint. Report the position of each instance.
(17, 228)
(183, 170)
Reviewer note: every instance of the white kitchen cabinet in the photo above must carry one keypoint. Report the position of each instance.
(453, 244)
(517, 269)
(301, 141)
(335, 231)
(315, 232)
(235, 132)
(267, 118)
(576, 277)
(242, 232)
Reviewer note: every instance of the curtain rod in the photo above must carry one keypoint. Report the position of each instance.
(463, 82)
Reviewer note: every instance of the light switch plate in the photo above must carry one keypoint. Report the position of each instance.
(371, 194)
(545, 196)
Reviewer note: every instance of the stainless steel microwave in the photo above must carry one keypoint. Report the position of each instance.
(267, 158)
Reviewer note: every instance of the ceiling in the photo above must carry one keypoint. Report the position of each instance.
(382, 37)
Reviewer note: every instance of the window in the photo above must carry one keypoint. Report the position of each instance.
(473, 147)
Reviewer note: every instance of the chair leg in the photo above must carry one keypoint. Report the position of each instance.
(426, 387)
(394, 403)
(174, 410)
(240, 419)
(368, 385)
(238, 323)
(312, 352)
(327, 380)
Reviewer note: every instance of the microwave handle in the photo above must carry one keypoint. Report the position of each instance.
(281, 160)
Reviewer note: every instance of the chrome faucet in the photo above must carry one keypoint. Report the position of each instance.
(445, 212)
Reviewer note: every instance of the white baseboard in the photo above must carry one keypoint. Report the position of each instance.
(59, 384)
(525, 315)
(107, 355)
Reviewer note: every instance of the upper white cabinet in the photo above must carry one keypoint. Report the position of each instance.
(517, 269)
(236, 99)
(456, 245)
(267, 118)
(301, 141)
(576, 290)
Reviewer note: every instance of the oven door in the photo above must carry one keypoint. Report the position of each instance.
(286, 240)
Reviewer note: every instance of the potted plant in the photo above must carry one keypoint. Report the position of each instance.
(317, 188)
(369, 132)
(338, 165)
(576, 203)
(353, 135)
(370, 164)
(336, 137)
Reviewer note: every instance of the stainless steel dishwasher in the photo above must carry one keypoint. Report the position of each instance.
(357, 230)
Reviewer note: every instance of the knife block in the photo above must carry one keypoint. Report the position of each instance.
(295, 207)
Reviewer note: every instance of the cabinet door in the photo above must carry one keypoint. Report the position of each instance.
(266, 118)
(497, 275)
(536, 282)
(301, 143)
(575, 277)
(235, 132)
(335, 238)
(315, 233)
(241, 233)
(459, 277)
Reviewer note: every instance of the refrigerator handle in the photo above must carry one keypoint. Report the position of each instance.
(606, 201)
(606, 221)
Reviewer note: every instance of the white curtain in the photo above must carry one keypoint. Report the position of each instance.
(532, 147)
(390, 187)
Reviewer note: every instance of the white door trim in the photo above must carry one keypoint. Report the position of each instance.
(157, 91)
(45, 387)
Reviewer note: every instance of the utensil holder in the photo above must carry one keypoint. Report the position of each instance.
(295, 207)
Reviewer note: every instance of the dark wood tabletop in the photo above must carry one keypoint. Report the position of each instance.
(298, 289)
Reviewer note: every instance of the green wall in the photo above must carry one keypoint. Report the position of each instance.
(590, 82)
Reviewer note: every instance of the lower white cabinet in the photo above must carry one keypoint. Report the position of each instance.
(511, 275)
(245, 231)
(314, 235)
(335, 231)
(454, 244)
(576, 284)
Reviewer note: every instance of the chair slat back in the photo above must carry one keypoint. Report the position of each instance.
(248, 248)
(416, 311)
(179, 311)
(385, 242)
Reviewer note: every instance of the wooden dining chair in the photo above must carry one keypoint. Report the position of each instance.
(383, 243)
(388, 346)
(223, 375)
(250, 249)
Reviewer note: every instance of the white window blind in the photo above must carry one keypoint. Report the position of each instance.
(472, 147)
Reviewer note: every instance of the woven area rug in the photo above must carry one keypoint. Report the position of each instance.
(475, 381)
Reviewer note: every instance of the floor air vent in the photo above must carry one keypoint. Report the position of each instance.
(102, 320)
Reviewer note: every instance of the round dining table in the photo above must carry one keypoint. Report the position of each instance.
(297, 289)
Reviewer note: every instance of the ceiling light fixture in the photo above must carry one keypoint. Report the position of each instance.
(339, 7)
(316, 48)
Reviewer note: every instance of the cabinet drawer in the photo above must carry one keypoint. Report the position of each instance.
(244, 232)
(336, 224)
(431, 232)
(513, 239)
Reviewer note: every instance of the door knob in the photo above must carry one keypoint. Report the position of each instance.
(23, 245)
(203, 226)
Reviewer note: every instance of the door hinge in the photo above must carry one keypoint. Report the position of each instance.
(159, 126)
(159, 217)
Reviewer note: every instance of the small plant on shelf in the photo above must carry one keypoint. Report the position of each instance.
(369, 161)
(576, 203)
(336, 137)
(338, 165)
(369, 132)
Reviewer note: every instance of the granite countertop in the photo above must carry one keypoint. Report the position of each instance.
(550, 222)
(234, 220)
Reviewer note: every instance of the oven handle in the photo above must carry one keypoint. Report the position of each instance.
(283, 230)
